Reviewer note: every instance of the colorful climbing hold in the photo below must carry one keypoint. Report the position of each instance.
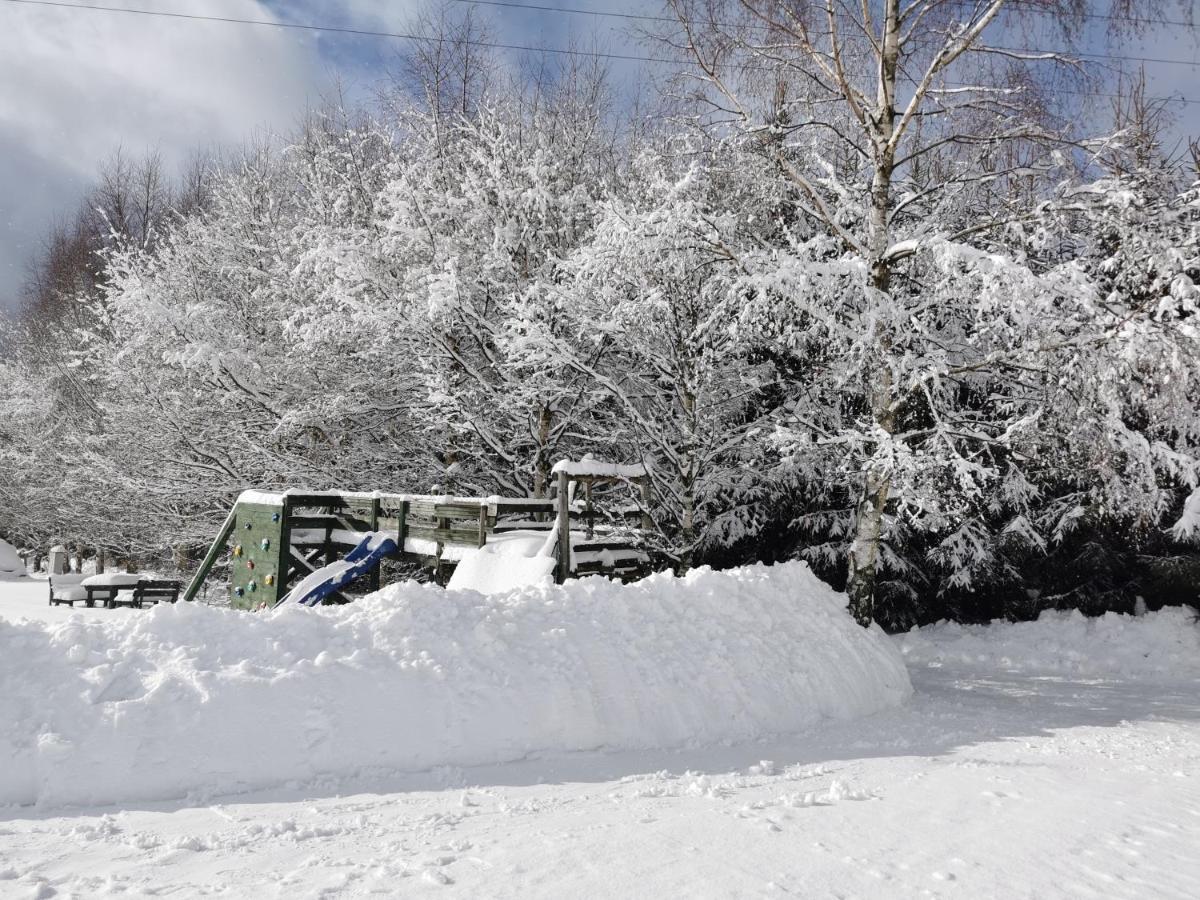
(237, 551)
(249, 564)
(266, 542)
(239, 591)
(269, 580)
(274, 517)
(252, 586)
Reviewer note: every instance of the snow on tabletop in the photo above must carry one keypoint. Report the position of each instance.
(185, 698)
(117, 579)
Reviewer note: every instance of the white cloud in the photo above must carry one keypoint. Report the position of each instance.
(79, 83)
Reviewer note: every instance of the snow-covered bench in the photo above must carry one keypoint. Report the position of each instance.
(155, 591)
(115, 589)
(68, 589)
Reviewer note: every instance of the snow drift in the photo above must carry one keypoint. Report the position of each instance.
(1163, 645)
(11, 563)
(187, 699)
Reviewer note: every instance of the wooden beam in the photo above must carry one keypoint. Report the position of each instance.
(564, 528)
(210, 558)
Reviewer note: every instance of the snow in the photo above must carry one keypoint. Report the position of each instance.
(509, 560)
(28, 600)
(423, 546)
(117, 579)
(1161, 646)
(1189, 521)
(10, 562)
(262, 498)
(597, 469)
(187, 700)
(1007, 774)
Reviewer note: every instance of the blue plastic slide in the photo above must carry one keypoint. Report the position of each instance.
(359, 561)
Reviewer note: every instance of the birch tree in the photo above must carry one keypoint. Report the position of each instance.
(907, 136)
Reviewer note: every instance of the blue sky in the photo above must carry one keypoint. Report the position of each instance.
(77, 84)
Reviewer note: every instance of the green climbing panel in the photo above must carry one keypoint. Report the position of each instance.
(258, 545)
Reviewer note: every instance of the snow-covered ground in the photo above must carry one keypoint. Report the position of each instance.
(1053, 759)
(28, 598)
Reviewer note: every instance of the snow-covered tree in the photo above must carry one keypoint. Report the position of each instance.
(915, 160)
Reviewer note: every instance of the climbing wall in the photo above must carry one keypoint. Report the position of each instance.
(258, 544)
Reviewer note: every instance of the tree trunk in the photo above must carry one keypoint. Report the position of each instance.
(864, 551)
(541, 472)
(688, 479)
(868, 514)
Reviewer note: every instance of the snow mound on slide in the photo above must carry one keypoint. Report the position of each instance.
(1163, 645)
(10, 562)
(190, 700)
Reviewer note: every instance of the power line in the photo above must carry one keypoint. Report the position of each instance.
(337, 29)
(494, 45)
(1012, 4)
(1102, 17)
(570, 10)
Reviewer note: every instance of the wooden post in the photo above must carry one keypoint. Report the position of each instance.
(590, 515)
(483, 522)
(373, 577)
(441, 524)
(401, 516)
(564, 528)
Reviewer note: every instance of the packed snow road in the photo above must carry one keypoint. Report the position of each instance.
(1053, 759)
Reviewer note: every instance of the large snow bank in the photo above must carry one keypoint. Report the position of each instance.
(10, 562)
(187, 699)
(1160, 645)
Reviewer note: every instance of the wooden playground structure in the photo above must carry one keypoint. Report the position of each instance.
(280, 539)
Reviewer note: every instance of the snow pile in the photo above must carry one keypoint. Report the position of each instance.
(1162, 645)
(508, 561)
(10, 563)
(186, 699)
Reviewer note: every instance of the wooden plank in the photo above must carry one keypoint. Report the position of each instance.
(504, 509)
(324, 501)
(467, 537)
(445, 510)
(210, 557)
(592, 546)
(499, 527)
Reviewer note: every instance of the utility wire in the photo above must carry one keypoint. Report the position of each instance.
(494, 45)
(642, 17)
(337, 29)
(569, 10)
